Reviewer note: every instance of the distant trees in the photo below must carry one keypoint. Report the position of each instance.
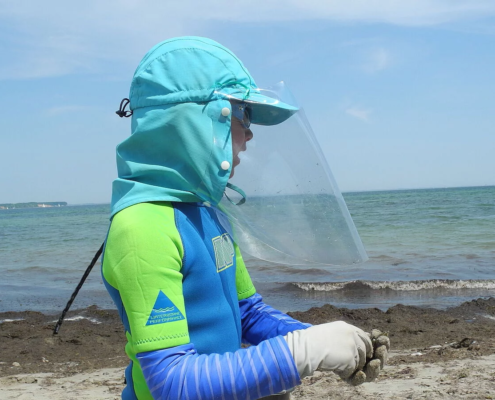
(33, 205)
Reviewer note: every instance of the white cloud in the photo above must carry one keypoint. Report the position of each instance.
(399, 12)
(377, 60)
(359, 113)
(58, 37)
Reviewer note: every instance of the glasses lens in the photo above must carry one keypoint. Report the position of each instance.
(243, 113)
(246, 121)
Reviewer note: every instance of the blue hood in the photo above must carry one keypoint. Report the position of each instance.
(179, 137)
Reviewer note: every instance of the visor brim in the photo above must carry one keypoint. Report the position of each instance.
(266, 110)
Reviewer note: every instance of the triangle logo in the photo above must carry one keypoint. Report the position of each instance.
(164, 311)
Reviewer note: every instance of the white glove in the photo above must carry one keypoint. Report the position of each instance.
(335, 346)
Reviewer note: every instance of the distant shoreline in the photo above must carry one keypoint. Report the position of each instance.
(344, 192)
(33, 204)
(416, 189)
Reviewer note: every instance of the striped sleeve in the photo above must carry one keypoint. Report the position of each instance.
(258, 371)
(260, 321)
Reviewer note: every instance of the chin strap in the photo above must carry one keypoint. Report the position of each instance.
(238, 190)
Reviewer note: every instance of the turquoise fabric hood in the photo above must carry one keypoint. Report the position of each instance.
(179, 135)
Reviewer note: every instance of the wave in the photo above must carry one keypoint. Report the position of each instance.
(79, 318)
(37, 269)
(396, 285)
(11, 320)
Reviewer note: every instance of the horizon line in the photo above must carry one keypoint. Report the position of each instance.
(343, 192)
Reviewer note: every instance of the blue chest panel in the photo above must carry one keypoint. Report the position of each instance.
(209, 283)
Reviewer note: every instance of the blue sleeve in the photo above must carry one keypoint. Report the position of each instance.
(258, 371)
(261, 322)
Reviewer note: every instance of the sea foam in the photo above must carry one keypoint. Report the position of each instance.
(80, 317)
(11, 320)
(397, 285)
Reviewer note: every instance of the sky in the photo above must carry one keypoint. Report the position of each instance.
(400, 94)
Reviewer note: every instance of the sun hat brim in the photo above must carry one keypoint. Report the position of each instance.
(265, 110)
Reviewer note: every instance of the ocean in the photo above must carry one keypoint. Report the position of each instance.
(428, 247)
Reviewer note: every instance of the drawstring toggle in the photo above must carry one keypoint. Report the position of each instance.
(122, 112)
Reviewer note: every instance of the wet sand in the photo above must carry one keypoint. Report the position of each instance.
(436, 354)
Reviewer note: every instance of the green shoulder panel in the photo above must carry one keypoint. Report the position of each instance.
(143, 260)
(245, 287)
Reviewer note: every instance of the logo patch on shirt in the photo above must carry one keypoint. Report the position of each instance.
(224, 251)
(164, 311)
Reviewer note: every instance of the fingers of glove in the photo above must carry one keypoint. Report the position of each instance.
(382, 341)
(366, 341)
(381, 353)
(368, 374)
(347, 373)
(376, 333)
(362, 352)
(357, 379)
(372, 370)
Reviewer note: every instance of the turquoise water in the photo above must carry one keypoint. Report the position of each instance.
(432, 247)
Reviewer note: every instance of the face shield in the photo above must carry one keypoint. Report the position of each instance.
(293, 211)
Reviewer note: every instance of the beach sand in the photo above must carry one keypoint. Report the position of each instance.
(435, 354)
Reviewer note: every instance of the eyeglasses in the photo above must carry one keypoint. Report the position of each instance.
(242, 112)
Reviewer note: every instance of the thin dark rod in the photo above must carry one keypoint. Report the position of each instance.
(81, 282)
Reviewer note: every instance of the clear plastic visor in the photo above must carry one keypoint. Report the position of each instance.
(294, 212)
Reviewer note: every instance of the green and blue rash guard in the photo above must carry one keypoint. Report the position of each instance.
(186, 301)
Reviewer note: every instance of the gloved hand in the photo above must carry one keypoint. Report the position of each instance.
(334, 346)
